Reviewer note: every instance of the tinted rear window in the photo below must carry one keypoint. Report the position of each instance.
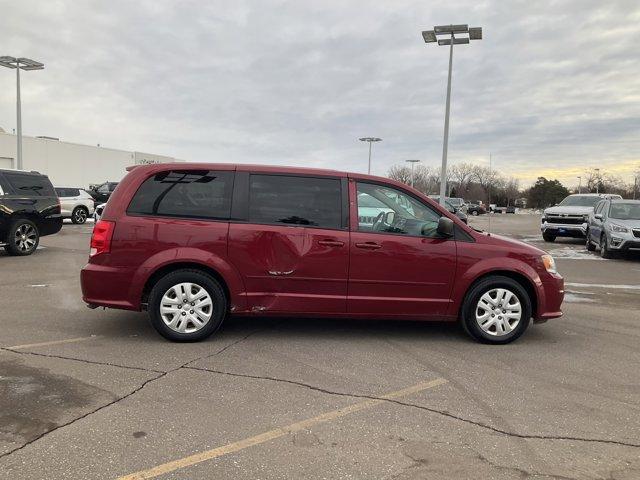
(185, 193)
(68, 192)
(30, 185)
(295, 200)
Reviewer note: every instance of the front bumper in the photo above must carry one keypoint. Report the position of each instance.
(575, 230)
(550, 298)
(622, 243)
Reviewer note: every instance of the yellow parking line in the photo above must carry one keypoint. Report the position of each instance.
(54, 342)
(276, 433)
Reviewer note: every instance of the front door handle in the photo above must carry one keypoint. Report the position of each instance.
(369, 245)
(331, 243)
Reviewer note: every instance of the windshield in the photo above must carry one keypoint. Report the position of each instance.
(625, 211)
(580, 201)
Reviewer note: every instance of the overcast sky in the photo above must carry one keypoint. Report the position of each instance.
(552, 89)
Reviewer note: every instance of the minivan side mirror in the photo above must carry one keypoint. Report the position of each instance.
(445, 227)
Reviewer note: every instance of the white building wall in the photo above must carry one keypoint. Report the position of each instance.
(72, 164)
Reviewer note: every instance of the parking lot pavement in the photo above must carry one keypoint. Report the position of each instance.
(98, 394)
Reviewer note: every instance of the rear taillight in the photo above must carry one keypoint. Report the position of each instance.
(101, 238)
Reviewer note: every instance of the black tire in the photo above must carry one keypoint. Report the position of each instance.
(474, 213)
(22, 245)
(468, 312)
(548, 237)
(213, 288)
(589, 244)
(604, 247)
(79, 215)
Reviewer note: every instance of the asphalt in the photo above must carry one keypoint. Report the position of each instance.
(98, 394)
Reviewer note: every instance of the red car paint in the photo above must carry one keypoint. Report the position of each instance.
(294, 270)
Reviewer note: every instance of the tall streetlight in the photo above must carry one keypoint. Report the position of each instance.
(370, 140)
(19, 64)
(412, 162)
(430, 36)
(579, 184)
(597, 170)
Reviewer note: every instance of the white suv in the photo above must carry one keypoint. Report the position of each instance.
(75, 204)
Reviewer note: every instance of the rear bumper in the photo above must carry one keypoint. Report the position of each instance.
(106, 286)
(50, 225)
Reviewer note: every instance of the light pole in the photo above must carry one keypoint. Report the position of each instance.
(430, 36)
(597, 170)
(579, 184)
(370, 140)
(19, 64)
(412, 162)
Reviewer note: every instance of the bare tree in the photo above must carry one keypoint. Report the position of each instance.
(400, 173)
(461, 174)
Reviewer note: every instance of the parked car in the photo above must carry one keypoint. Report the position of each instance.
(29, 209)
(475, 209)
(569, 218)
(75, 204)
(97, 214)
(102, 192)
(451, 207)
(195, 243)
(614, 226)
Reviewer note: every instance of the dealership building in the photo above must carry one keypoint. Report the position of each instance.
(72, 164)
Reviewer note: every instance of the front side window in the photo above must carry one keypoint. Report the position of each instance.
(31, 185)
(295, 200)
(387, 210)
(104, 188)
(185, 193)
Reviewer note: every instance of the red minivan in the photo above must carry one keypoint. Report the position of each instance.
(194, 243)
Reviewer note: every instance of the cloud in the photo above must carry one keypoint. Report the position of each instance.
(553, 85)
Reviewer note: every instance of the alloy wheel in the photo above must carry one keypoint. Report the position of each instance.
(186, 307)
(80, 215)
(498, 312)
(25, 237)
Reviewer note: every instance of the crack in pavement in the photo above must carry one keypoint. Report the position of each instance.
(119, 399)
(428, 409)
(58, 427)
(81, 360)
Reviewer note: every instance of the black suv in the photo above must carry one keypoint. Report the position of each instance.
(29, 209)
(102, 192)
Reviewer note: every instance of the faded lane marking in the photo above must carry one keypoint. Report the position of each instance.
(602, 285)
(276, 433)
(54, 342)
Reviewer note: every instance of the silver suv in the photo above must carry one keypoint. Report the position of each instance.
(75, 204)
(569, 217)
(614, 226)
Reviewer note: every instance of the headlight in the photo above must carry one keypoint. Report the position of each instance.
(549, 263)
(618, 228)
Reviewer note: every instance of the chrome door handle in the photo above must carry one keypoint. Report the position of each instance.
(369, 245)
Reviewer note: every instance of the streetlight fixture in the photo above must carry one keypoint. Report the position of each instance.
(19, 64)
(465, 34)
(370, 140)
(412, 162)
(579, 184)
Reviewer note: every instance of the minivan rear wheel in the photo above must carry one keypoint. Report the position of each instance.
(496, 310)
(187, 305)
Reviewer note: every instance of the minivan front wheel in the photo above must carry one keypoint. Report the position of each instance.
(187, 305)
(496, 310)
